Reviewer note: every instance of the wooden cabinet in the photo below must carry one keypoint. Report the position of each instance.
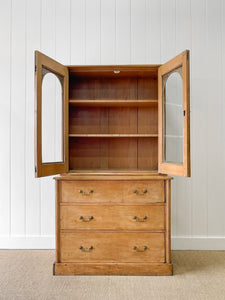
(113, 133)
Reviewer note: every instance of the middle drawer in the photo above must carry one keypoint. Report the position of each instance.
(135, 217)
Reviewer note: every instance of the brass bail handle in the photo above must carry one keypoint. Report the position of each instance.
(86, 194)
(86, 220)
(140, 250)
(140, 194)
(137, 219)
(86, 249)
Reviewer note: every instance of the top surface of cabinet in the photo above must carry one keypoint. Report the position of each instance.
(132, 118)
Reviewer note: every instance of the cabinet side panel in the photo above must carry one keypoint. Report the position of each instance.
(168, 220)
(57, 219)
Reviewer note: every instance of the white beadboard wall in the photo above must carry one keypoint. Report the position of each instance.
(112, 32)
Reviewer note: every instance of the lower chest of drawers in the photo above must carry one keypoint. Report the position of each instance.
(96, 234)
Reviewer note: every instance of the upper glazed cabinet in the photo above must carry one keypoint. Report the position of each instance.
(99, 119)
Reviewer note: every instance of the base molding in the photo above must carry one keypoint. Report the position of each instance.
(112, 269)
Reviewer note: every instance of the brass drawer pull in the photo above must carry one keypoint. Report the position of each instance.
(140, 194)
(86, 249)
(86, 220)
(139, 219)
(140, 250)
(86, 194)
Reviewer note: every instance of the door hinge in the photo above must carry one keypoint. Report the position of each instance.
(35, 169)
(184, 113)
(35, 69)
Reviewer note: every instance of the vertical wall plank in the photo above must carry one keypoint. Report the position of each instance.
(18, 117)
(5, 124)
(108, 31)
(48, 38)
(223, 88)
(62, 31)
(77, 32)
(213, 87)
(168, 23)
(153, 31)
(32, 184)
(183, 191)
(138, 31)
(123, 32)
(92, 32)
(199, 117)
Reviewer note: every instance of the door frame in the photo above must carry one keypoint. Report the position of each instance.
(181, 60)
(52, 168)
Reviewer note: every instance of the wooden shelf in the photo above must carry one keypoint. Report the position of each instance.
(113, 102)
(112, 135)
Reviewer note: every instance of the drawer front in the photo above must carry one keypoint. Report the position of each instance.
(139, 217)
(91, 191)
(144, 191)
(112, 247)
(113, 191)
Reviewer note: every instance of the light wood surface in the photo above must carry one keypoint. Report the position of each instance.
(105, 71)
(182, 60)
(114, 175)
(113, 191)
(112, 135)
(119, 217)
(168, 220)
(113, 269)
(112, 247)
(57, 220)
(46, 169)
(112, 103)
(113, 153)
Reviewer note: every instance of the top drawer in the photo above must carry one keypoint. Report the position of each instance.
(133, 191)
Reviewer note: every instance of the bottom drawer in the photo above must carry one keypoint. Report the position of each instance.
(112, 247)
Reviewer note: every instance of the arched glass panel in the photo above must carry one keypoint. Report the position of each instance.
(52, 117)
(173, 117)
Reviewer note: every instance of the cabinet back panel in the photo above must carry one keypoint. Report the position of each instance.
(147, 88)
(147, 120)
(113, 153)
(113, 88)
(148, 153)
(109, 120)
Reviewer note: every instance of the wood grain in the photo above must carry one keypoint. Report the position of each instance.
(112, 247)
(119, 153)
(113, 191)
(155, 269)
(116, 217)
(112, 175)
(57, 220)
(165, 167)
(105, 71)
(46, 169)
(168, 220)
(112, 103)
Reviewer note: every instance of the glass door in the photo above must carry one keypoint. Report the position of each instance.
(51, 116)
(174, 116)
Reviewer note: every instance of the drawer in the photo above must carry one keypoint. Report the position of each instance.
(112, 247)
(134, 191)
(134, 217)
(144, 191)
(91, 191)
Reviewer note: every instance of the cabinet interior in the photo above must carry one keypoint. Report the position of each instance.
(113, 118)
